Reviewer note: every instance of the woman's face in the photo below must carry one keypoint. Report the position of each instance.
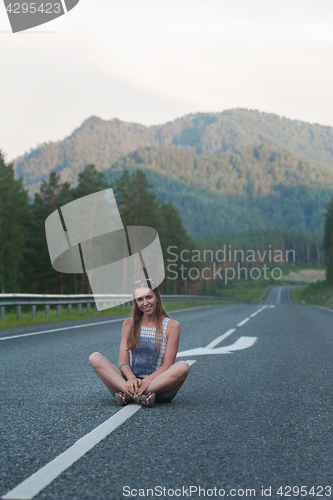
(146, 300)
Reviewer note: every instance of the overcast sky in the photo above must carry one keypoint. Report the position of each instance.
(150, 61)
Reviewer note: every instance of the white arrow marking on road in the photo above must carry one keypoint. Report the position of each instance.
(241, 343)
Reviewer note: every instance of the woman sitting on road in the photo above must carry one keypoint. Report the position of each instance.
(148, 349)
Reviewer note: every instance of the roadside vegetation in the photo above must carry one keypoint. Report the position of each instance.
(320, 294)
(256, 290)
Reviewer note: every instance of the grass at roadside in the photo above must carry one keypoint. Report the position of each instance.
(248, 291)
(27, 320)
(320, 294)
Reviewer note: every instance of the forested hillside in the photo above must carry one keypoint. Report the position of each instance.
(254, 170)
(254, 187)
(232, 171)
(207, 214)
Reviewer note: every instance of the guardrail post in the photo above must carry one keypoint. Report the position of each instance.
(47, 310)
(33, 311)
(79, 308)
(59, 309)
(18, 312)
(3, 312)
(88, 307)
(69, 308)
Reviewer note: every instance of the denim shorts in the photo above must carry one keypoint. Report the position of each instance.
(159, 397)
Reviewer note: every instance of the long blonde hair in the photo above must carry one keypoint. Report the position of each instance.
(133, 335)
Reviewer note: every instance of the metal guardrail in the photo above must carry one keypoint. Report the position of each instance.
(30, 299)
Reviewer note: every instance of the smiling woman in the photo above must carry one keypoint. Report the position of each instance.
(149, 343)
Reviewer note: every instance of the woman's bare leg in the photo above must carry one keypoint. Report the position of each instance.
(108, 373)
(168, 382)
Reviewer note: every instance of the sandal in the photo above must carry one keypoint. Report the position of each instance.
(122, 399)
(142, 399)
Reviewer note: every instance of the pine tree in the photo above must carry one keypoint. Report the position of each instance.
(176, 237)
(328, 241)
(13, 232)
(137, 205)
(51, 197)
(90, 181)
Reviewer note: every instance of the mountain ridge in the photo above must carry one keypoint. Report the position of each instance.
(232, 171)
(103, 142)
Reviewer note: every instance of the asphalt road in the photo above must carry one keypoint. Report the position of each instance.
(258, 417)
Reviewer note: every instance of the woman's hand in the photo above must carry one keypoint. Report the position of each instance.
(132, 385)
(143, 386)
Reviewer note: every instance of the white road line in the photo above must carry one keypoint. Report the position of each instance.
(42, 478)
(219, 339)
(63, 329)
(279, 290)
(191, 361)
(252, 316)
(243, 322)
(262, 308)
(39, 480)
(259, 311)
(326, 309)
(88, 324)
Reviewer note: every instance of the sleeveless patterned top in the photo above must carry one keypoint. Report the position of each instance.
(147, 357)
